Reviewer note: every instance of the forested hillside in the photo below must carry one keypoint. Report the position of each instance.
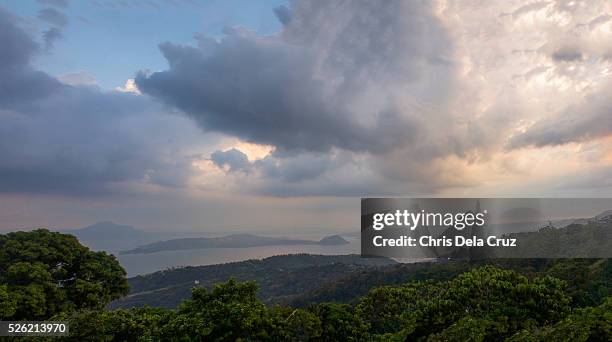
(485, 303)
(49, 276)
(299, 280)
(280, 278)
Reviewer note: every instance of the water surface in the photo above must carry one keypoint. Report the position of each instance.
(136, 264)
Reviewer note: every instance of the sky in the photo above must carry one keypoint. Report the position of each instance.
(277, 116)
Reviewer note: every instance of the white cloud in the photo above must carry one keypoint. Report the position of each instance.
(129, 87)
(523, 74)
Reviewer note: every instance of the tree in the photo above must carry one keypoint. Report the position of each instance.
(385, 308)
(229, 312)
(8, 306)
(289, 324)
(137, 324)
(339, 322)
(584, 324)
(43, 273)
(485, 301)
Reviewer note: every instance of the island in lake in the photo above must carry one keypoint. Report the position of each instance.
(230, 241)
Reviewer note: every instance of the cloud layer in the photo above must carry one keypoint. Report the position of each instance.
(349, 98)
(417, 94)
(74, 140)
(300, 91)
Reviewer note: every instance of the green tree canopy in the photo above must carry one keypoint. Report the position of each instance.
(584, 324)
(43, 273)
(484, 304)
(230, 312)
(485, 301)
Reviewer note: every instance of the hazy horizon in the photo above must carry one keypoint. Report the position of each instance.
(277, 116)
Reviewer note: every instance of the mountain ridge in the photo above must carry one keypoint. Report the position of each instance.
(243, 240)
(106, 228)
(281, 277)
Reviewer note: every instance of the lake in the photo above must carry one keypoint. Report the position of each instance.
(136, 264)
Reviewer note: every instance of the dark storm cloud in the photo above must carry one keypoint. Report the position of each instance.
(297, 91)
(300, 168)
(50, 36)
(290, 169)
(283, 14)
(263, 93)
(304, 174)
(61, 139)
(20, 83)
(53, 17)
(78, 141)
(58, 20)
(17, 47)
(341, 81)
(567, 55)
(234, 159)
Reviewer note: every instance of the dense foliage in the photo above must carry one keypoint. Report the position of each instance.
(43, 273)
(483, 304)
(495, 302)
(299, 280)
(280, 278)
(513, 300)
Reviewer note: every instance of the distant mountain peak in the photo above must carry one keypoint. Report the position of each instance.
(105, 223)
(105, 230)
(333, 240)
(108, 225)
